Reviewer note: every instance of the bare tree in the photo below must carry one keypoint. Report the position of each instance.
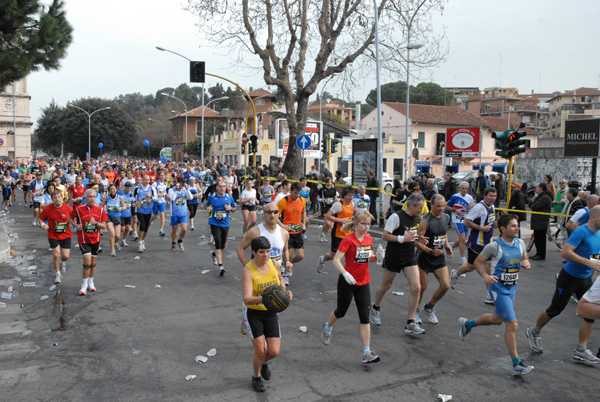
(300, 43)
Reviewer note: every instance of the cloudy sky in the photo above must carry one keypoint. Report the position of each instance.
(534, 45)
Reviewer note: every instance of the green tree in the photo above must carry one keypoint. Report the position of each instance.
(390, 92)
(31, 37)
(48, 132)
(426, 93)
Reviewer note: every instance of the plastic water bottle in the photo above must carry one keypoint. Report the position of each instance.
(7, 296)
(10, 289)
(380, 254)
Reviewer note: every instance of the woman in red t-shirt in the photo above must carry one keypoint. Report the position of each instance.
(353, 282)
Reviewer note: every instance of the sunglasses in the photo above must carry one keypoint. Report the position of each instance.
(270, 211)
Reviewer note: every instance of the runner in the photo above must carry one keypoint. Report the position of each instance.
(460, 204)
(291, 217)
(361, 200)
(282, 191)
(481, 220)
(266, 191)
(305, 194)
(26, 179)
(219, 205)
(248, 201)
(114, 204)
(76, 192)
(192, 204)
(339, 214)
(135, 224)
(401, 233)
(126, 214)
(159, 202)
(327, 197)
(589, 310)
(508, 254)
(263, 326)
(431, 259)
(59, 232)
(353, 281)
(581, 252)
(7, 187)
(179, 197)
(144, 196)
(88, 219)
(36, 192)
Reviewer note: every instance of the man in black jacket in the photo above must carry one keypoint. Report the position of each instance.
(450, 186)
(541, 202)
(518, 202)
(373, 194)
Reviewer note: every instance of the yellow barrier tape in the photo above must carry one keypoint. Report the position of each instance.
(532, 212)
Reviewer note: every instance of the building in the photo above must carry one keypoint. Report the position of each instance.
(15, 121)
(575, 104)
(332, 108)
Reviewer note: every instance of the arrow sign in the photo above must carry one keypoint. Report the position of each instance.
(303, 142)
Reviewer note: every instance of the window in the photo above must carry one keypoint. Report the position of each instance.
(385, 164)
(439, 143)
(259, 102)
(421, 143)
(398, 167)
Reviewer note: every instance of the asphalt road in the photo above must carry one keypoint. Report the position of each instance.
(130, 344)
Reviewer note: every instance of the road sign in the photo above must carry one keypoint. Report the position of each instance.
(1, 142)
(303, 142)
(244, 139)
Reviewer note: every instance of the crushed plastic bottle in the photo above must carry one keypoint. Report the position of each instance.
(157, 286)
(190, 377)
(10, 289)
(205, 271)
(17, 279)
(201, 359)
(7, 296)
(212, 352)
(44, 297)
(380, 254)
(2, 304)
(129, 286)
(28, 284)
(30, 258)
(303, 328)
(52, 287)
(31, 267)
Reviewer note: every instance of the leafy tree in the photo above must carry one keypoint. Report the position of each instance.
(426, 93)
(300, 44)
(47, 134)
(31, 37)
(390, 92)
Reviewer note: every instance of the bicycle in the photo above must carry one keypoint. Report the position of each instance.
(557, 238)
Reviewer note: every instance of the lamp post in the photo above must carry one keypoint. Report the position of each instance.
(163, 130)
(186, 114)
(379, 132)
(510, 109)
(89, 124)
(202, 125)
(409, 47)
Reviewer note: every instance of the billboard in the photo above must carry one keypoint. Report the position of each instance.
(582, 138)
(347, 149)
(364, 158)
(313, 130)
(463, 142)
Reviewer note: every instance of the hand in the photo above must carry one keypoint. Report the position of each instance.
(490, 279)
(595, 265)
(228, 207)
(410, 236)
(349, 278)
(291, 295)
(449, 252)
(45, 226)
(289, 266)
(78, 226)
(437, 252)
(92, 221)
(525, 264)
(487, 228)
(344, 221)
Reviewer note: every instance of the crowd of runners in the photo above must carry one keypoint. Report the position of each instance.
(125, 199)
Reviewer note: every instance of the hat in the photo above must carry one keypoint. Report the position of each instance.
(517, 185)
(313, 167)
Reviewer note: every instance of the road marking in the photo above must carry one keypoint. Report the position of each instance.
(12, 328)
(10, 378)
(13, 349)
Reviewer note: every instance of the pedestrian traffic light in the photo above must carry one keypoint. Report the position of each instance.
(197, 71)
(508, 143)
(334, 145)
(324, 142)
(253, 144)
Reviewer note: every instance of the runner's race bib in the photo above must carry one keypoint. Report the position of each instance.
(90, 228)
(39, 193)
(60, 227)
(112, 208)
(78, 199)
(275, 254)
(127, 205)
(329, 201)
(295, 227)
(595, 257)
(363, 254)
(250, 203)
(146, 201)
(491, 220)
(180, 201)
(220, 215)
(439, 241)
(509, 276)
(361, 204)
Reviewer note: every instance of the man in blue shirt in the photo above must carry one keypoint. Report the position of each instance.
(581, 252)
(178, 196)
(508, 254)
(219, 205)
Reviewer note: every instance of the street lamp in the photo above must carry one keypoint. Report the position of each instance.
(409, 47)
(202, 125)
(510, 109)
(163, 129)
(379, 132)
(89, 125)
(186, 114)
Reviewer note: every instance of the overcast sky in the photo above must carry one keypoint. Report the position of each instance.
(539, 45)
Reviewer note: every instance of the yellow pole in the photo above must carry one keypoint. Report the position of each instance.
(329, 154)
(508, 191)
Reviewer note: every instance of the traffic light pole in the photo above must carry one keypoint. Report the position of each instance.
(329, 154)
(510, 178)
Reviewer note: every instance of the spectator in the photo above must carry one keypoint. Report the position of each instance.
(518, 202)
(373, 193)
(551, 185)
(560, 196)
(481, 183)
(541, 202)
(450, 186)
(499, 184)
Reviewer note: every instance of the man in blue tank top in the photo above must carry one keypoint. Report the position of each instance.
(508, 254)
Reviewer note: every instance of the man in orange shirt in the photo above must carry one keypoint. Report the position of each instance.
(292, 212)
(340, 213)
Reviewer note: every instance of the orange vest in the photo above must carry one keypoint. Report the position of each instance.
(291, 213)
(347, 212)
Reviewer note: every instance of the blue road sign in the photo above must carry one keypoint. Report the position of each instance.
(303, 142)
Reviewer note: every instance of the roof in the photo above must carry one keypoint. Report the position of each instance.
(500, 124)
(579, 92)
(440, 115)
(257, 93)
(197, 112)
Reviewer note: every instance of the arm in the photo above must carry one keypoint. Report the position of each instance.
(244, 244)
(247, 288)
(469, 223)
(478, 263)
(421, 232)
(337, 263)
(285, 253)
(568, 253)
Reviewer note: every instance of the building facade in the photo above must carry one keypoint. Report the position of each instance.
(15, 121)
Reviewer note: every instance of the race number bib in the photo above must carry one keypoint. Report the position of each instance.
(90, 228)
(39, 193)
(412, 230)
(439, 241)
(295, 227)
(220, 215)
(595, 257)
(329, 201)
(250, 203)
(275, 254)
(363, 254)
(180, 201)
(60, 227)
(127, 205)
(112, 208)
(146, 201)
(491, 220)
(78, 199)
(509, 276)
(361, 204)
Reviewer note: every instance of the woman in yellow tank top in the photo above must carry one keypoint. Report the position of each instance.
(260, 273)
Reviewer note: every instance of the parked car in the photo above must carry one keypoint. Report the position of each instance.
(388, 181)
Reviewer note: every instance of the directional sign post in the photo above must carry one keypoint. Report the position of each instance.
(303, 142)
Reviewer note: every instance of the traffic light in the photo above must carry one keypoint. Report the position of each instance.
(197, 71)
(324, 142)
(198, 147)
(334, 145)
(253, 144)
(508, 143)
(243, 149)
